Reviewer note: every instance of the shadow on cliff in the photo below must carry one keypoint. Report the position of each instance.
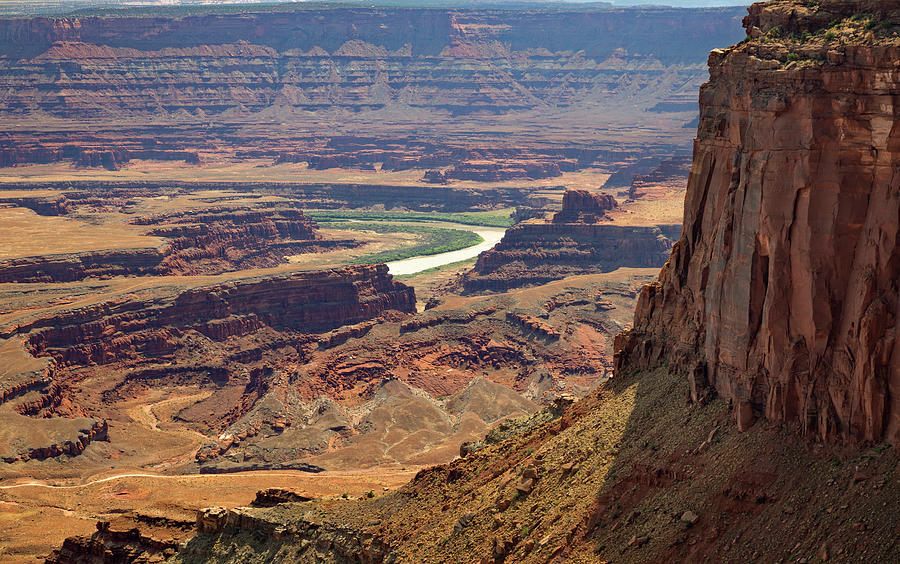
(686, 486)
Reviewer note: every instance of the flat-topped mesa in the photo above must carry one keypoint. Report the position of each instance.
(671, 174)
(536, 252)
(783, 293)
(582, 206)
(204, 241)
(304, 302)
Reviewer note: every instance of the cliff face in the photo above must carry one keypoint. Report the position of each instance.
(583, 206)
(576, 241)
(303, 302)
(344, 57)
(782, 293)
(536, 253)
(267, 85)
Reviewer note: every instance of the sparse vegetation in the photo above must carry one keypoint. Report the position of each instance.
(494, 218)
(434, 240)
(436, 269)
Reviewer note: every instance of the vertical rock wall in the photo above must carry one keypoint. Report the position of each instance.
(782, 293)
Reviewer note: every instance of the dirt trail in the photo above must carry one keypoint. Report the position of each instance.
(200, 476)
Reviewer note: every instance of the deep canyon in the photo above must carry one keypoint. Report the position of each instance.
(205, 358)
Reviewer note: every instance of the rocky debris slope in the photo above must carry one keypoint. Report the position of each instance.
(167, 338)
(782, 294)
(602, 480)
(409, 391)
(576, 241)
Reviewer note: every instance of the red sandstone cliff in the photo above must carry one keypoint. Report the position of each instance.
(575, 242)
(782, 293)
(583, 206)
(305, 302)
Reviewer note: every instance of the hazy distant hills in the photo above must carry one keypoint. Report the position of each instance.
(56, 7)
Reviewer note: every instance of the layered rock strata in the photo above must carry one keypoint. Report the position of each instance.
(78, 266)
(782, 294)
(576, 241)
(304, 302)
(204, 241)
(210, 241)
(582, 206)
(232, 81)
(353, 57)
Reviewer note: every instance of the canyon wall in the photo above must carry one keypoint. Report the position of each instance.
(306, 302)
(200, 241)
(782, 293)
(411, 87)
(578, 240)
(344, 57)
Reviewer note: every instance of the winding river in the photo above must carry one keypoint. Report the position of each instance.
(412, 265)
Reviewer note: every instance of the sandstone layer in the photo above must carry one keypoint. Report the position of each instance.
(200, 241)
(580, 239)
(782, 293)
(306, 302)
(480, 94)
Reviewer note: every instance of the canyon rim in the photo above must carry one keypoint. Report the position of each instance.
(683, 348)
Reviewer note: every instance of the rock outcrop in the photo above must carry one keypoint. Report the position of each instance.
(78, 266)
(305, 302)
(582, 206)
(212, 240)
(537, 251)
(83, 432)
(200, 241)
(782, 294)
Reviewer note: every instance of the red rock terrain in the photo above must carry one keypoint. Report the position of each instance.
(782, 293)
(152, 335)
(579, 240)
(208, 241)
(779, 303)
(308, 302)
(478, 94)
